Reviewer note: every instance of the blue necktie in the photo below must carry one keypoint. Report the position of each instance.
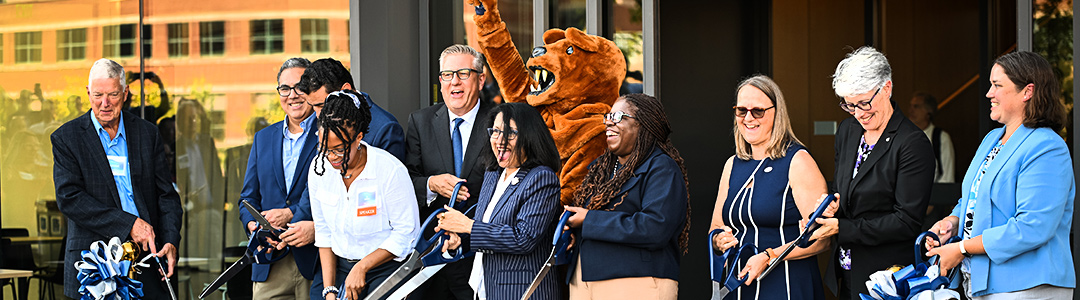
(456, 139)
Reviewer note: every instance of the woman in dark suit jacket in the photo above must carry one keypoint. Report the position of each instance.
(516, 213)
(884, 171)
(631, 218)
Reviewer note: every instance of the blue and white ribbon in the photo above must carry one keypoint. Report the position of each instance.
(103, 275)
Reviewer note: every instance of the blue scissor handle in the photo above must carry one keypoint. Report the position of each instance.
(435, 256)
(453, 201)
(733, 281)
(266, 255)
(716, 272)
(727, 262)
(811, 225)
(562, 240)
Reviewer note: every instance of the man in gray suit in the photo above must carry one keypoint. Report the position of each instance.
(112, 181)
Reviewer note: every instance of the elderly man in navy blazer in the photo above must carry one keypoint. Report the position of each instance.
(276, 184)
(112, 181)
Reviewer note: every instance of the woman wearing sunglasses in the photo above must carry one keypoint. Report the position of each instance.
(884, 171)
(767, 187)
(363, 205)
(631, 213)
(517, 211)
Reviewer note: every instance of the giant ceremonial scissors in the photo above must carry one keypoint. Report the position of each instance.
(425, 260)
(263, 255)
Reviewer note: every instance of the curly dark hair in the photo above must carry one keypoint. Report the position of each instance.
(597, 191)
(346, 115)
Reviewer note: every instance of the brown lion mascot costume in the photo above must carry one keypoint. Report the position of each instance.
(572, 80)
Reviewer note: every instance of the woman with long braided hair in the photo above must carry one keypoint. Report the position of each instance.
(363, 206)
(632, 212)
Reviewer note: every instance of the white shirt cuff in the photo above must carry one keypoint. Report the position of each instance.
(430, 194)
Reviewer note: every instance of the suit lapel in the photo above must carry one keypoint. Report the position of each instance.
(277, 164)
(477, 142)
(306, 153)
(441, 127)
(499, 206)
(98, 160)
(637, 173)
(883, 145)
(135, 153)
(1011, 146)
(846, 165)
(490, 178)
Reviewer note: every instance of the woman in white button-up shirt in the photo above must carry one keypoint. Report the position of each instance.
(364, 209)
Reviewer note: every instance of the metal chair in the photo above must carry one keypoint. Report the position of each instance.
(19, 257)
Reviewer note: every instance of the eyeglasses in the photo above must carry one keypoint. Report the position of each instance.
(112, 96)
(285, 90)
(862, 105)
(616, 117)
(462, 74)
(496, 133)
(758, 113)
(338, 152)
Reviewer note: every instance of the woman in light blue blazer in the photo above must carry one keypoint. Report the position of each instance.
(1016, 209)
(517, 211)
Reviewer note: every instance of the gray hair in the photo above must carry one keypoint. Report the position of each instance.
(862, 71)
(478, 58)
(106, 68)
(295, 62)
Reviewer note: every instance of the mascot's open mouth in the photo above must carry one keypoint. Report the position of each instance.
(544, 80)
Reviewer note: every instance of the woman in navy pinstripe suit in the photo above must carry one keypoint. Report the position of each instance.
(516, 214)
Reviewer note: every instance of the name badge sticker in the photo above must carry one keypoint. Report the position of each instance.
(118, 164)
(366, 204)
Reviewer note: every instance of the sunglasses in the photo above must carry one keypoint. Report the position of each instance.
(758, 113)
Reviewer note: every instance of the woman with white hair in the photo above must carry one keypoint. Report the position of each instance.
(884, 171)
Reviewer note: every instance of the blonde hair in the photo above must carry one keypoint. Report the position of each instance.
(782, 135)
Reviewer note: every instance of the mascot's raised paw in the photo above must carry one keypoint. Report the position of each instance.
(482, 6)
(572, 80)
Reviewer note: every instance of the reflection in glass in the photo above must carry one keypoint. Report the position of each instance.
(1052, 38)
(212, 38)
(178, 40)
(119, 40)
(28, 47)
(267, 36)
(71, 44)
(314, 36)
(207, 106)
(629, 38)
(567, 13)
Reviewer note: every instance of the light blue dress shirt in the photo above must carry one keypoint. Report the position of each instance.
(291, 146)
(116, 150)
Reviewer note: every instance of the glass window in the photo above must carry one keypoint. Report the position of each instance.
(629, 38)
(314, 36)
(1, 48)
(567, 13)
(118, 40)
(71, 44)
(178, 40)
(212, 38)
(206, 111)
(28, 47)
(147, 40)
(267, 37)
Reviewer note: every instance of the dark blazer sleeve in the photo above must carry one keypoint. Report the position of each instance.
(663, 206)
(539, 196)
(170, 212)
(101, 216)
(391, 136)
(914, 165)
(250, 190)
(413, 161)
